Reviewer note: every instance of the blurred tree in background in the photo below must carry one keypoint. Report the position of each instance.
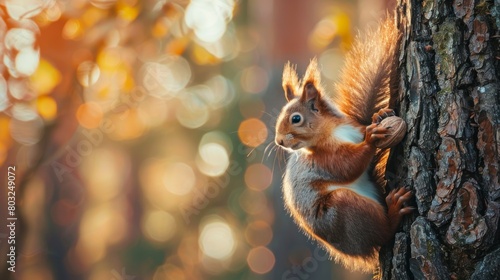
(141, 133)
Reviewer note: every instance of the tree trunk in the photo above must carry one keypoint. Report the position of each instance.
(450, 71)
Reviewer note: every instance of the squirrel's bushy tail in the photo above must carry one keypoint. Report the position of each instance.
(368, 77)
(370, 80)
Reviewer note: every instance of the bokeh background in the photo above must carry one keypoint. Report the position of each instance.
(142, 134)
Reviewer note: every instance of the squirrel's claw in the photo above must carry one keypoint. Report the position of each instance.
(375, 132)
(396, 209)
(382, 114)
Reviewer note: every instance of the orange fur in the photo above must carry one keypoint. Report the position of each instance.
(290, 81)
(365, 82)
(333, 186)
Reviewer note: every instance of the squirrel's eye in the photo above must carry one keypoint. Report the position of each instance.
(296, 119)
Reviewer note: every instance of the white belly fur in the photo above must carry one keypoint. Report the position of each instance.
(348, 133)
(362, 186)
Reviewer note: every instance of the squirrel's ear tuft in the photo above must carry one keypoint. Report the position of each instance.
(290, 81)
(312, 81)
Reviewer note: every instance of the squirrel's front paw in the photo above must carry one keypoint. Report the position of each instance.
(382, 114)
(374, 133)
(386, 129)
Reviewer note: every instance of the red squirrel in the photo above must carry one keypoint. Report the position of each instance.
(334, 178)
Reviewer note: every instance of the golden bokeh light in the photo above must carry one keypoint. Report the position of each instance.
(109, 59)
(72, 29)
(222, 90)
(179, 178)
(103, 4)
(151, 178)
(153, 112)
(89, 115)
(128, 83)
(218, 137)
(217, 240)
(87, 73)
(25, 9)
(93, 15)
(158, 226)
(252, 132)
(103, 169)
(323, 33)
(169, 272)
(167, 77)
(260, 260)
(3, 152)
(51, 14)
(26, 132)
(20, 37)
(193, 113)
(45, 78)
(138, 129)
(24, 111)
(4, 130)
(258, 176)
(331, 70)
(19, 89)
(26, 61)
(160, 28)
(208, 18)
(47, 107)
(126, 125)
(92, 244)
(201, 56)
(164, 188)
(177, 46)
(127, 12)
(213, 160)
(330, 27)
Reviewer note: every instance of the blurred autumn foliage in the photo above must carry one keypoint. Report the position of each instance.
(139, 130)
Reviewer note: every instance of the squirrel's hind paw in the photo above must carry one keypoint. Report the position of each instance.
(395, 206)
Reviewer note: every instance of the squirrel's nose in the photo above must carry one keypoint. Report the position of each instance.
(280, 142)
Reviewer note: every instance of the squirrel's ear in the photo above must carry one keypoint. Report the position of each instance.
(312, 81)
(290, 81)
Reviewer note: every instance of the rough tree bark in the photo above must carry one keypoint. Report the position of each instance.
(450, 73)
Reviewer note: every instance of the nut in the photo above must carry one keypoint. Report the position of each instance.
(397, 131)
